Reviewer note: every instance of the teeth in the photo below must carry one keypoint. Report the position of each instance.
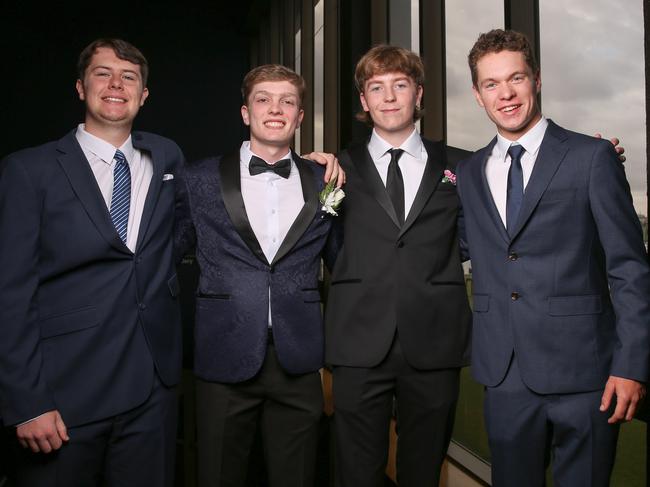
(274, 124)
(510, 108)
(118, 100)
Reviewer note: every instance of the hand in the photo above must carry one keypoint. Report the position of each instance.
(43, 434)
(620, 150)
(332, 170)
(629, 394)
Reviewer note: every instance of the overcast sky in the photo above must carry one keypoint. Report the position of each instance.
(592, 73)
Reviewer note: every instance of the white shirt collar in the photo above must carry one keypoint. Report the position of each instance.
(531, 140)
(102, 149)
(378, 146)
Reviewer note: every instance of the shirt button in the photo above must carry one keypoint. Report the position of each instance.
(514, 296)
(142, 306)
(273, 212)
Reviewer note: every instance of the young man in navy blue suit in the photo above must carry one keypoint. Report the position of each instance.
(259, 231)
(561, 281)
(90, 343)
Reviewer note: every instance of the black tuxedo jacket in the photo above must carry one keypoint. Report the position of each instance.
(389, 279)
(84, 321)
(232, 304)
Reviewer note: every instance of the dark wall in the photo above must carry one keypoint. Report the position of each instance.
(197, 51)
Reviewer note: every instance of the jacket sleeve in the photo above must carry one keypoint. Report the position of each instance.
(621, 237)
(23, 391)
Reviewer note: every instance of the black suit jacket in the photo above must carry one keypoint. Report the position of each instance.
(84, 321)
(389, 279)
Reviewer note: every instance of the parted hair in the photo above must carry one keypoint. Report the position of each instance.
(383, 59)
(272, 72)
(498, 40)
(122, 49)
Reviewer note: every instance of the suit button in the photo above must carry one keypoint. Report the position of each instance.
(513, 256)
(400, 244)
(514, 296)
(271, 270)
(142, 306)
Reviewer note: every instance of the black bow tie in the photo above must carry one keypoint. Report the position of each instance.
(258, 166)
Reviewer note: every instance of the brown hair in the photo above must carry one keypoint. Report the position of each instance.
(272, 72)
(122, 49)
(384, 59)
(498, 40)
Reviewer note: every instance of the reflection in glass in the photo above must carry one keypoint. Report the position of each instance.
(467, 125)
(319, 89)
(298, 65)
(593, 77)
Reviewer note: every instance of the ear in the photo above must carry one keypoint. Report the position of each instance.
(538, 82)
(80, 90)
(301, 115)
(477, 95)
(244, 115)
(144, 96)
(418, 100)
(364, 105)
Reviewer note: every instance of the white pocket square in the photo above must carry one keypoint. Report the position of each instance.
(167, 177)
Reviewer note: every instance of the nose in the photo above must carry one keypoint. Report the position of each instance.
(389, 94)
(506, 91)
(117, 82)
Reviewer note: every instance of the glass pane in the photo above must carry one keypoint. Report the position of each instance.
(467, 125)
(319, 89)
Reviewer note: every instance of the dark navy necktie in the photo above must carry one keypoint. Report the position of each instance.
(395, 184)
(121, 198)
(258, 166)
(515, 193)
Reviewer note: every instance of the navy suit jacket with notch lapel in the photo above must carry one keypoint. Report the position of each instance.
(577, 238)
(389, 279)
(232, 302)
(84, 320)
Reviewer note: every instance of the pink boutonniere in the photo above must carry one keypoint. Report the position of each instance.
(450, 177)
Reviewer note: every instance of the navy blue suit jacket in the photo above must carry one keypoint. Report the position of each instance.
(569, 291)
(84, 321)
(232, 302)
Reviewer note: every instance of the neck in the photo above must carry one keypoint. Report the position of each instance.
(270, 154)
(396, 138)
(115, 136)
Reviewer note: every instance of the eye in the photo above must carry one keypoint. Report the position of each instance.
(261, 99)
(102, 73)
(129, 77)
(518, 78)
(288, 101)
(401, 85)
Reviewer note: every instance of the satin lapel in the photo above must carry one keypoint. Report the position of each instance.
(368, 172)
(433, 171)
(481, 183)
(140, 143)
(83, 182)
(307, 213)
(551, 154)
(232, 199)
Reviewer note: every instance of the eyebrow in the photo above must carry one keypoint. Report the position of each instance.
(101, 66)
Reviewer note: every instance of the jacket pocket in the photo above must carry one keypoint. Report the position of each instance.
(69, 322)
(345, 281)
(575, 305)
(212, 296)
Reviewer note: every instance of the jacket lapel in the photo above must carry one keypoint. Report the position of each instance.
(140, 143)
(308, 211)
(433, 170)
(234, 203)
(75, 165)
(368, 172)
(483, 189)
(551, 154)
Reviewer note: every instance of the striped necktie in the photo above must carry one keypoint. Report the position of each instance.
(121, 198)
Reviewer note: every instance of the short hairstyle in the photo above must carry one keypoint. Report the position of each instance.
(383, 59)
(272, 72)
(122, 49)
(498, 40)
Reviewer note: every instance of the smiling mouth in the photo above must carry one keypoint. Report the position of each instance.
(509, 108)
(274, 124)
(112, 99)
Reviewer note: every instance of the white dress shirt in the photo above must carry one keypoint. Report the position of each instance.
(272, 203)
(498, 164)
(411, 163)
(100, 155)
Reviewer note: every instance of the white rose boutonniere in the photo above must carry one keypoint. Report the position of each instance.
(331, 198)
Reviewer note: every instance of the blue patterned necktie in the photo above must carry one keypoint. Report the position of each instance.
(515, 192)
(121, 199)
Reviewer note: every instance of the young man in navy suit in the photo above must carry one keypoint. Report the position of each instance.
(561, 281)
(90, 343)
(259, 231)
